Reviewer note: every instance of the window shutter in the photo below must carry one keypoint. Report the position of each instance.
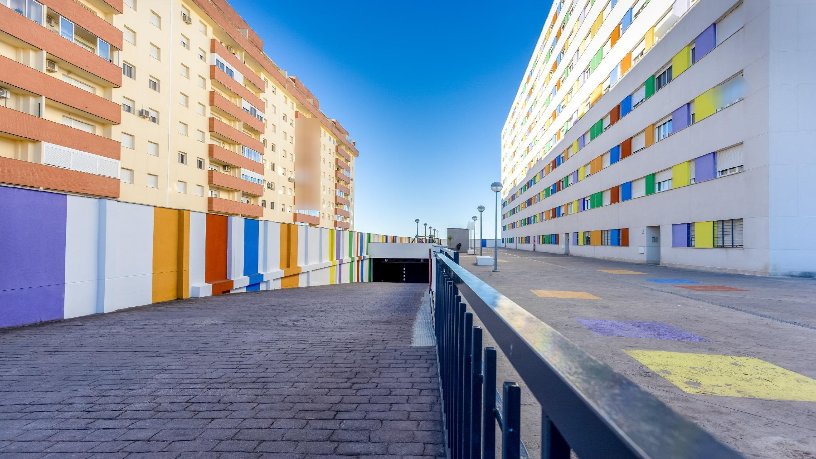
(681, 175)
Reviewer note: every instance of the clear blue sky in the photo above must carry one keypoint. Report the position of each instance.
(423, 86)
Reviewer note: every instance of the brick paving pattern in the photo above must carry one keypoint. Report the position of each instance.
(316, 372)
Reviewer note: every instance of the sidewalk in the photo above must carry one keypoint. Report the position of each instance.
(290, 373)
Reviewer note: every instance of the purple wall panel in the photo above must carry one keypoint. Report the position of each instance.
(32, 244)
(705, 168)
(681, 118)
(680, 235)
(705, 42)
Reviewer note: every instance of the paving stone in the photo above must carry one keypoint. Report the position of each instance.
(228, 376)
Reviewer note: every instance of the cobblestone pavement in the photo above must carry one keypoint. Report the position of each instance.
(732, 353)
(314, 372)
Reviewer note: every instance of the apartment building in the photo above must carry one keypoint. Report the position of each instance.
(166, 103)
(667, 131)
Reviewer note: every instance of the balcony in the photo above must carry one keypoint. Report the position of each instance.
(235, 87)
(342, 177)
(25, 126)
(231, 59)
(342, 164)
(343, 188)
(23, 173)
(39, 37)
(234, 135)
(32, 80)
(305, 218)
(220, 102)
(341, 225)
(225, 206)
(225, 156)
(83, 17)
(342, 213)
(341, 200)
(341, 151)
(222, 180)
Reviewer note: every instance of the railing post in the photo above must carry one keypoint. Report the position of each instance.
(457, 378)
(553, 444)
(467, 383)
(476, 394)
(489, 408)
(456, 257)
(511, 405)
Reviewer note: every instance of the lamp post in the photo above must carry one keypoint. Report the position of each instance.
(417, 235)
(481, 220)
(496, 187)
(426, 232)
(474, 234)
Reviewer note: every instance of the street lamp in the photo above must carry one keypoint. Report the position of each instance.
(430, 231)
(474, 234)
(417, 236)
(481, 235)
(496, 187)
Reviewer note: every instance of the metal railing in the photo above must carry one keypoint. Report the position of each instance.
(586, 407)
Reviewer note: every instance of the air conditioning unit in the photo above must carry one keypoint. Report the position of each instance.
(291, 179)
(4, 93)
(186, 18)
(246, 201)
(51, 21)
(50, 66)
(144, 113)
(227, 168)
(230, 49)
(154, 119)
(214, 193)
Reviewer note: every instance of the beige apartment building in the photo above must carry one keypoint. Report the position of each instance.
(171, 103)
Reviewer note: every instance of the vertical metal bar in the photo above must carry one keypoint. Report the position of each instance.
(457, 378)
(476, 395)
(553, 444)
(489, 408)
(511, 407)
(467, 383)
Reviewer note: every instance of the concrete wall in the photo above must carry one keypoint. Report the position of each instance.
(69, 256)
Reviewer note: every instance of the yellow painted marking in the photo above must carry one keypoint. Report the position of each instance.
(620, 271)
(728, 376)
(564, 294)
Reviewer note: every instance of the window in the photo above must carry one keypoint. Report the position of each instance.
(202, 109)
(126, 176)
(155, 19)
(185, 42)
(200, 163)
(128, 105)
(199, 190)
(66, 29)
(663, 130)
(131, 4)
(155, 52)
(729, 161)
(129, 35)
(153, 83)
(202, 55)
(182, 129)
(663, 78)
(129, 70)
(152, 181)
(200, 136)
(181, 187)
(128, 141)
(728, 233)
(77, 124)
(202, 27)
(184, 100)
(152, 149)
(153, 115)
(202, 82)
(185, 71)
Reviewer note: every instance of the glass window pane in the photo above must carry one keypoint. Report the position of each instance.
(18, 6)
(35, 11)
(103, 49)
(67, 29)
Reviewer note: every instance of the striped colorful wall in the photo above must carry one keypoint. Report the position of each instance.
(69, 256)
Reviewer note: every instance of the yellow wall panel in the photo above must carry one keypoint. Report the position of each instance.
(681, 61)
(681, 175)
(704, 235)
(165, 254)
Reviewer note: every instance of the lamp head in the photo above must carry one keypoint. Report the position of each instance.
(416, 221)
(481, 208)
(496, 186)
(475, 218)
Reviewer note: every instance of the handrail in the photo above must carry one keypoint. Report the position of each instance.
(594, 410)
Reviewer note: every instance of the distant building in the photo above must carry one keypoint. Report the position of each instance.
(667, 131)
(170, 103)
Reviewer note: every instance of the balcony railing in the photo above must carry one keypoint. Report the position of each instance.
(586, 407)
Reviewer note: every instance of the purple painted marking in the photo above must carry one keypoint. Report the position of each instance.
(635, 329)
(32, 267)
(672, 281)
